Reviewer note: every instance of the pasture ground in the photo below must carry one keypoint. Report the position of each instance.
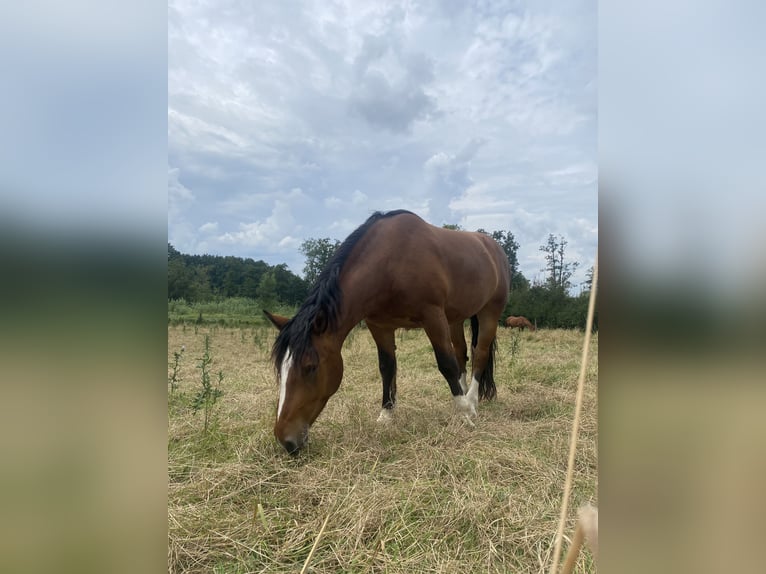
(426, 493)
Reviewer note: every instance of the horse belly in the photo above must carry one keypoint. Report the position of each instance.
(393, 321)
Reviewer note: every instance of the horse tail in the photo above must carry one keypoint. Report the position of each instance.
(487, 389)
(474, 331)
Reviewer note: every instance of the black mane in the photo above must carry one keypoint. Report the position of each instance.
(320, 310)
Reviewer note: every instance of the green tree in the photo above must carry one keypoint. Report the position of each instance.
(559, 272)
(173, 253)
(519, 282)
(291, 289)
(507, 241)
(179, 280)
(253, 272)
(588, 283)
(318, 253)
(205, 277)
(234, 277)
(267, 290)
(201, 285)
(453, 226)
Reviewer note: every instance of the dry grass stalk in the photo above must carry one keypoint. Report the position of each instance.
(585, 531)
(576, 421)
(314, 547)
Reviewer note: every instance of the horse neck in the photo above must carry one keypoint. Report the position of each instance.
(346, 322)
(352, 311)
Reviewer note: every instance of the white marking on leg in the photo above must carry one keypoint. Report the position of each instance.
(385, 416)
(465, 407)
(462, 383)
(473, 393)
(467, 404)
(287, 362)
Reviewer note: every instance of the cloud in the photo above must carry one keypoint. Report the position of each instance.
(574, 175)
(343, 227)
(447, 177)
(333, 202)
(355, 199)
(389, 106)
(213, 137)
(481, 198)
(254, 202)
(289, 242)
(273, 231)
(180, 199)
(390, 85)
(210, 227)
(177, 192)
(358, 198)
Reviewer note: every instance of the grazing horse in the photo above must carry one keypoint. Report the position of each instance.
(393, 271)
(519, 322)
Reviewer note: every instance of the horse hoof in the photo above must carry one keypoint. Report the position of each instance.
(385, 416)
(466, 407)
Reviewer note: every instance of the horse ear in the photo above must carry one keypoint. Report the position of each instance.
(277, 320)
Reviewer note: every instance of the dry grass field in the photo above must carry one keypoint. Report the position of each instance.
(425, 493)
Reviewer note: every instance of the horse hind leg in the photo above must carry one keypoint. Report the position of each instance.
(483, 360)
(438, 331)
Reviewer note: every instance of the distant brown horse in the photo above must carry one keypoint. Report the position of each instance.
(394, 271)
(520, 322)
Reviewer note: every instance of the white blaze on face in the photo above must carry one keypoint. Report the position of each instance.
(287, 362)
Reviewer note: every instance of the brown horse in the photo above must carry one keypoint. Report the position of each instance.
(393, 271)
(520, 322)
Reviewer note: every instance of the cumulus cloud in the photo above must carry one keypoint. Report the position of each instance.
(333, 202)
(390, 90)
(352, 200)
(358, 198)
(447, 178)
(268, 233)
(180, 199)
(574, 175)
(178, 193)
(210, 227)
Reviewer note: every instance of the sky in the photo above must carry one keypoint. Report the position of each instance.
(296, 120)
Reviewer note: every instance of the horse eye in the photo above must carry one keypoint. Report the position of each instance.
(309, 370)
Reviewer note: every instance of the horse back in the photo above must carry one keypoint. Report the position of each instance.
(404, 263)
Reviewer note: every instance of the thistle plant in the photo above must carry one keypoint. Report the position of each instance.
(515, 344)
(207, 395)
(173, 379)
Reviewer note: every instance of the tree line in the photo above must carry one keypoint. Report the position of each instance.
(547, 303)
(198, 278)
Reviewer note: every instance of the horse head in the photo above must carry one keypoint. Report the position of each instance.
(310, 368)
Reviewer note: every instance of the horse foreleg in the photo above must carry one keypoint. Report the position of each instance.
(385, 341)
(457, 334)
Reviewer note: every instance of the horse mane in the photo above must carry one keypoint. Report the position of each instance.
(319, 312)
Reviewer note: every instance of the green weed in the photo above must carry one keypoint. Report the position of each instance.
(207, 396)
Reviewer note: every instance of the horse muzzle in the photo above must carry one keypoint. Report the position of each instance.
(293, 442)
